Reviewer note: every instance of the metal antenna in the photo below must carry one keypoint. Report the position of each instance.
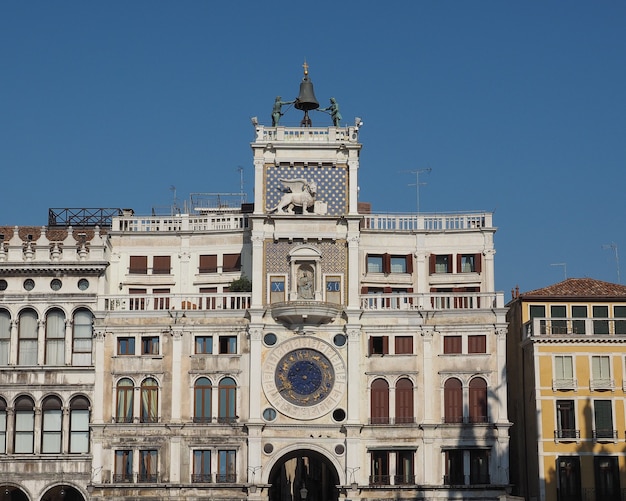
(417, 183)
(243, 195)
(564, 265)
(613, 246)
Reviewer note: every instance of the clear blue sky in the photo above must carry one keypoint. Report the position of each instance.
(518, 107)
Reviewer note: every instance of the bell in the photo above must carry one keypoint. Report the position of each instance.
(306, 99)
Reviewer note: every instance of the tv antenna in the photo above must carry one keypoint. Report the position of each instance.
(243, 194)
(564, 265)
(613, 247)
(417, 183)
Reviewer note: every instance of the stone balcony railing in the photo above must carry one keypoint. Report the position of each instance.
(184, 222)
(427, 222)
(185, 302)
(433, 301)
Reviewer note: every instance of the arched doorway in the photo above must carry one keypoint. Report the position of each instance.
(12, 493)
(303, 475)
(63, 493)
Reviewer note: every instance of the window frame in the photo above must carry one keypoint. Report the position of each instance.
(126, 346)
(205, 343)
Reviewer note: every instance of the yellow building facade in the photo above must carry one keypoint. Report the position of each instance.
(566, 363)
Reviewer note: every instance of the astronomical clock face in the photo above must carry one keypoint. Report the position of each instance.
(304, 378)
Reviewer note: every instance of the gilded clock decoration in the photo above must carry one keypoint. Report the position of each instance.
(304, 377)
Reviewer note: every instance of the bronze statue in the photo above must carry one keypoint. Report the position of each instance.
(277, 110)
(334, 111)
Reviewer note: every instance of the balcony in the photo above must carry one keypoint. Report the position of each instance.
(545, 326)
(567, 435)
(427, 222)
(602, 384)
(185, 222)
(305, 312)
(202, 478)
(562, 384)
(432, 301)
(605, 436)
(235, 301)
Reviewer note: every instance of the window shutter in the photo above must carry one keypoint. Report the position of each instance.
(385, 344)
(432, 259)
(232, 262)
(208, 264)
(459, 267)
(409, 263)
(363, 290)
(161, 265)
(370, 343)
(450, 263)
(386, 263)
(478, 268)
(138, 264)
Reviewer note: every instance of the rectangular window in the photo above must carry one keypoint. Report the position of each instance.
(601, 373)
(51, 433)
(563, 372)
(440, 263)
(138, 265)
(452, 344)
(579, 312)
(477, 343)
(161, 265)
(619, 312)
(565, 420)
(208, 264)
(226, 466)
(603, 419)
(601, 326)
(201, 467)
(204, 345)
(125, 345)
(404, 345)
(405, 468)
(398, 264)
(379, 345)
(228, 345)
(277, 289)
(24, 431)
(82, 338)
(454, 467)
(374, 263)
(148, 465)
(479, 467)
(3, 428)
(468, 263)
(123, 466)
(537, 311)
(150, 345)
(606, 469)
(568, 477)
(380, 468)
(5, 337)
(232, 262)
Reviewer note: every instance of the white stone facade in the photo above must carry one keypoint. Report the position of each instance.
(366, 362)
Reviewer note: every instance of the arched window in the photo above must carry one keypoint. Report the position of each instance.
(79, 425)
(478, 400)
(55, 337)
(27, 345)
(82, 335)
(52, 425)
(5, 337)
(380, 402)
(149, 401)
(125, 392)
(404, 401)
(227, 392)
(202, 400)
(24, 425)
(453, 401)
(3, 426)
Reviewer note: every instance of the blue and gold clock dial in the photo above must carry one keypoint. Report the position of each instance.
(304, 377)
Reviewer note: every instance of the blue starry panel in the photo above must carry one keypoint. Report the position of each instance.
(331, 185)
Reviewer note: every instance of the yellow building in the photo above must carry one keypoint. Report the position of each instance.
(566, 364)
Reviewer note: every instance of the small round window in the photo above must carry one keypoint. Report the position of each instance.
(29, 284)
(270, 339)
(339, 415)
(56, 284)
(269, 414)
(339, 340)
(83, 284)
(3, 285)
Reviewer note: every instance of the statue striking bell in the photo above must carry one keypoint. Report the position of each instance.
(306, 99)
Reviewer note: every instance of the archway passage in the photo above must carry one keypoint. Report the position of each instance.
(11, 493)
(303, 475)
(63, 493)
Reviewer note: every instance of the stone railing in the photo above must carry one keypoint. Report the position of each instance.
(427, 222)
(433, 301)
(183, 222)
(178, 302)
(575, 326)
(306, 134)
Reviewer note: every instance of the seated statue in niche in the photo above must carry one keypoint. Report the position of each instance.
(306, 288)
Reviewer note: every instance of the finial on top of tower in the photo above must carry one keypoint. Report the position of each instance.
(306, 100)
(306, 68)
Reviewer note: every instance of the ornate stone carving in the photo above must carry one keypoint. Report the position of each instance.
(301, 193)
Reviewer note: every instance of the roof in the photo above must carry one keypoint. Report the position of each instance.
(579, 288)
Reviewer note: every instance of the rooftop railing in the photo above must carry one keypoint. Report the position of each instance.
(183, 222)
(545, 326)
(428, 222)
(184, 302)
